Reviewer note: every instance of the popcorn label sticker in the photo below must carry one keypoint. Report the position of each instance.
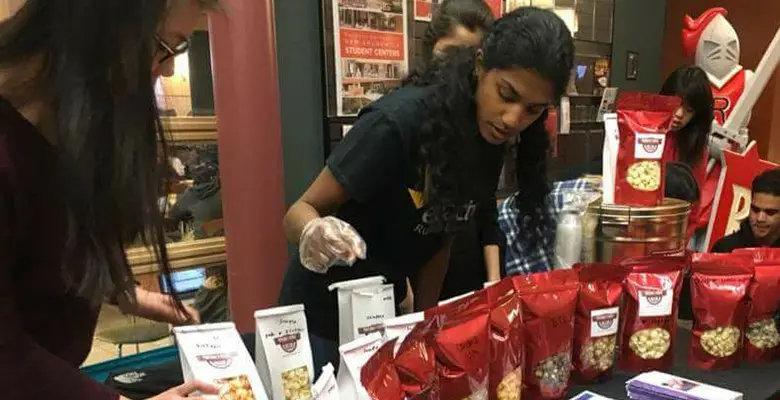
(649, 146)
(288, 343)
(655, 303)
(604, 322)
(218, 361)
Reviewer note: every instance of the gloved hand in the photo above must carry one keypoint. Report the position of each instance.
(328, 241)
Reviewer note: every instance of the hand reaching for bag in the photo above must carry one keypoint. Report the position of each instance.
(328, 241)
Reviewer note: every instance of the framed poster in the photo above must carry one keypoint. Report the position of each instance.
(495, 6)
(423, 9)
(370, 51)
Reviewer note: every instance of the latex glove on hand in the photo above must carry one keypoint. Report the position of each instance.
(328, 241)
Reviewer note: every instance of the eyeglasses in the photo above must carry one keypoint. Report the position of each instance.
(171, 51)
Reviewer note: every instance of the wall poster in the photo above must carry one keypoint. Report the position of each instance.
(423, 9)
(371, 51)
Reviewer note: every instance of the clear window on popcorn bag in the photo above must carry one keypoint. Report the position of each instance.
(762, 334)
(643, 121)
(371, 306)
(326, 387)
(283, 353)
(354, 356)
(215, 353)
(506, 342)
(344, 297)
(399, 328)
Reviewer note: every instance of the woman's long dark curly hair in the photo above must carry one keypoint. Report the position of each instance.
(474, 15)
(526, 38)
(692, 85)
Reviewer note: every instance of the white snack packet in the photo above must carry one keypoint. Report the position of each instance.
(326, 387)
(370, 307)
(456, 298)
(283, 353)
(344, 295)
(610, 154)
(399, 328)
(214, 353)
(354, 356)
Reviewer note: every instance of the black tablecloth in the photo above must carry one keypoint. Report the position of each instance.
(757, 382)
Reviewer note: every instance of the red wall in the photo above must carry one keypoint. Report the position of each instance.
(756, 23)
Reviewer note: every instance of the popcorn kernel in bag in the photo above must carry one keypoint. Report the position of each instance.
(548, 329)
(652, 291)
(719, 288)
(597, 321)
(354, 356)
(762, 333)
(400, 327)
(344, 300)
(506, 342)
(379, 376)
(461, 344)
(371, 306)
(644, 121)
(283, 354)
(214, 353)
(326, 387)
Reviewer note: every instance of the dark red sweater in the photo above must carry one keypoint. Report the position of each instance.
(45, 329)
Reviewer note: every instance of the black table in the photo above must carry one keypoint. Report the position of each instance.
(756, 381)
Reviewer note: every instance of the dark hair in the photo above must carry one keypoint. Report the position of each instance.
(692, 85)
(528, 38)
(473, 15)
(767, 183)
(91, 66)
(680, 183)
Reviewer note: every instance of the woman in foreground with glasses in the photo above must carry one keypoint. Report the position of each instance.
(79, 180)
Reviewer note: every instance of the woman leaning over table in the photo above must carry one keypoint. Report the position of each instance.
(79, 180)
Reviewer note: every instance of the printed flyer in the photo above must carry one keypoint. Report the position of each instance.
(423, 9)
(371, 54)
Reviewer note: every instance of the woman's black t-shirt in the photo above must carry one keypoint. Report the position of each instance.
(378, 165)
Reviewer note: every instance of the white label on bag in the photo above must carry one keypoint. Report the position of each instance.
(214, 353)
(353, 357)
(604, 322)
(370, 308)
(649, 146)
(283, 353)
(655, 302)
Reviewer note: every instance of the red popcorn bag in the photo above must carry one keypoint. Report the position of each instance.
(415, 362)
(548, 325)
(379, 377)
(649, 322)
(555, 277)
(506, 342)
(643, 121)
(462, 348)
(719, 288)
(597, 321)
(762, 333)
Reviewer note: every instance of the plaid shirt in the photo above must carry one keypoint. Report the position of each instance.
(523, 257)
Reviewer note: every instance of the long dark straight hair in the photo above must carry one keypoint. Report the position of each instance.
(692, 85)
(94, 77)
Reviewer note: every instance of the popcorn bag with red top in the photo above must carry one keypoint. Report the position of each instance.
(548, 326)
(762, 333)
(379, 377)
(652, 291)
(597, 321)
(644, 121)
(506, 342)
(415, 362)
(461, 345)
(719, 288)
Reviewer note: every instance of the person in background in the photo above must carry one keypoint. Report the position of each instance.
(422, 162)
(80, 178)
(762, 227)
(463, 23)
(691, 127)
(524, 256)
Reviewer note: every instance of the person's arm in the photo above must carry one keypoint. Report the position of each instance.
(365, 162)
(431, 278)
(489, 238)
(492, 255)
(158, 307)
